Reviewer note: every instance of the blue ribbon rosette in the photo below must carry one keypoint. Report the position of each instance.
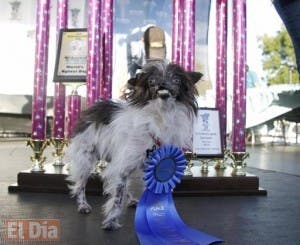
(156, 219)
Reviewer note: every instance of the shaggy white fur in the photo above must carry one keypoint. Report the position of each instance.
(131, 131)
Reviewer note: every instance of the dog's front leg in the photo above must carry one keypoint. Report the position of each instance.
(114, 206)
(132, 202)
(117, 188)
(116, 176)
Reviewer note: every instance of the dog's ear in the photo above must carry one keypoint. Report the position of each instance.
(133, 81)
(195, 76)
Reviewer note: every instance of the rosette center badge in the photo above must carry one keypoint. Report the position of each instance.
(164, 170)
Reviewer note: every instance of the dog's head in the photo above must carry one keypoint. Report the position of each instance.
(163, 81)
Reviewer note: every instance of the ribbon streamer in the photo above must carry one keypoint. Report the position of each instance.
(156, 218)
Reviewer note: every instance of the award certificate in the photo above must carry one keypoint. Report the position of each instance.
(71, 59)
(207, 140)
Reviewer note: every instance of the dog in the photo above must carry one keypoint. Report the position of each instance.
(159, 110)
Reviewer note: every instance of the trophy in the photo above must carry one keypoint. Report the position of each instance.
(239, 164)
(38, 147)
(59, 144)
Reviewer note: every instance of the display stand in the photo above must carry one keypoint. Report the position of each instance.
(213, 183)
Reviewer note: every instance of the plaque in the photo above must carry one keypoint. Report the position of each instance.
(207, 140)
(71, 57)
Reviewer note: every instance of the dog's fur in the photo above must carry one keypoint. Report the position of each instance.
(161, 108)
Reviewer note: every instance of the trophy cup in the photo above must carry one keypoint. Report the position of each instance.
(239, 164)
(38, 147)
(221, 163)
(59, 144)
(189, 164)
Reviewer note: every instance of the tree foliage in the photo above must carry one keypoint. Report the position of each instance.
(279, 61)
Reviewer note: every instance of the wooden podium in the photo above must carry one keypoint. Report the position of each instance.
(216, 182)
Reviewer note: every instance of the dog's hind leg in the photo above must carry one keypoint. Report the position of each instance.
(82, 165)
(83, 206)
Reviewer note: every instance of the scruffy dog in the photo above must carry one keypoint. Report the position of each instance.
(160, 109)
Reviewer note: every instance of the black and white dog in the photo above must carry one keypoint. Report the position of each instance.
(161, 108)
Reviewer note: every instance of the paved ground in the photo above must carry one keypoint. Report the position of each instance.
(239, 220)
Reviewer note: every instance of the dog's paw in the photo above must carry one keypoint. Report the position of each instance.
(111, 225)
(84, 209)
(132, 203)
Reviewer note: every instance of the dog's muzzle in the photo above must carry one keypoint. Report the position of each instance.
(163, 94)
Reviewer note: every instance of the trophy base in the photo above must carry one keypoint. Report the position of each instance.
(218, 182)
(37, 167)
(53, 180)
(213, 183)
(58, 163)
(238, 171)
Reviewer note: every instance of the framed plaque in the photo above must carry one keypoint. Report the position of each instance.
(71, 57)
(207, 137)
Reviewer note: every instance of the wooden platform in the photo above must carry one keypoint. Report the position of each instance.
(214, 183)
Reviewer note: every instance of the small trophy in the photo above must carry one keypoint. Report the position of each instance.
(38, 147)
(239, 164)
(189, 164)
(59, 144)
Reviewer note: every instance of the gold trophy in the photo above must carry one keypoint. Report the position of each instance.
(204, 166)
(239, 164)
(59, 144)
(221, 163)
(38, 147)
(188, 155)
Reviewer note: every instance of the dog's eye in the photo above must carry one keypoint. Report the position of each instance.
(151, 81)
(176, 80)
